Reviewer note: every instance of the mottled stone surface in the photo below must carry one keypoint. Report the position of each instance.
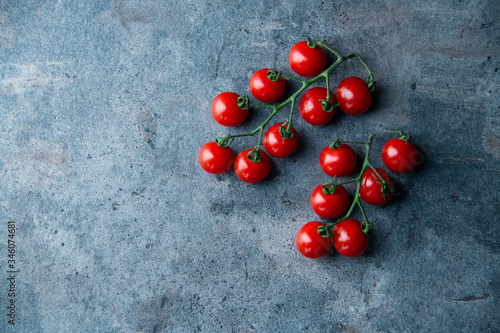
(105, 105)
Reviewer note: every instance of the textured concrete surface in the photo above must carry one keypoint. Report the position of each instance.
(105, 105)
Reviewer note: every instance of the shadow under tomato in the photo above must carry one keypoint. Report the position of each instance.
(274, 172)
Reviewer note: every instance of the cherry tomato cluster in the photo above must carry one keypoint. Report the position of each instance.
(374, 186)
(317, 106)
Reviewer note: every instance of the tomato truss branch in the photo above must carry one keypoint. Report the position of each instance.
(291, 100)
(366, 164)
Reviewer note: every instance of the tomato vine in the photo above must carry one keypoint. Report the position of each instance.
(330, 200)
(274, 75)
(386, 190)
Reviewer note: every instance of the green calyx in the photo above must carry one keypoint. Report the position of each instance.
(254, 155)
(312, 43)
(405, 137)
(366, 227)
(386, 189)
(224, 142)
(371, 84)
(324, 231)
(285, 131)
(327, 105)
(329, 188)
(243, 102)
(335, 144)
(273, 75)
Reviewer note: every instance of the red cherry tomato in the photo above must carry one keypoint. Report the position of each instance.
(329, 206)
(349, 239)
(249, 171)
(310, 243)
(399, 156)
(305, 60)
(215, 159)
(226, 111)
(276, 145)
(311, 108)
(353, 95)
(337, 162)
(371, 189)
(264, 89)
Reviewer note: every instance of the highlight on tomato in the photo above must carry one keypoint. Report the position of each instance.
(353, 95)
(230, 109)
(252, 166)
(216, 159)
(349, 239)
(266, 89)
(329, 200)
(279, 141)
(314, 107)
(399, 156)
(307, 60)
(337, 160)
(310, 243)
(374, 190)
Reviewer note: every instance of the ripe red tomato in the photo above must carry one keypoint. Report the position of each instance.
(264, 89)
(371, 189)
(215, 159)
(249, 171)
(399, 156)
(305, 60)
(226, 111)
(329, 206)
(310, 243)
(354, 96)
(311, 108)
(278, 146)
(349, 239)
(337, 162)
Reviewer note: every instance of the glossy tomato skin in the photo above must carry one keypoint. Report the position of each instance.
(310, 107)
(307, 61)
(349, 239)
(252, 172)
(371, 190)
(215, 159)
(399, 156)
(329, 206)
(226, 111)
(264, 89)
(274, 143)
(311, 244)
(353, 95)
(337, 162)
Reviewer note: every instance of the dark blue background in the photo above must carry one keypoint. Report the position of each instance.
(105, 105)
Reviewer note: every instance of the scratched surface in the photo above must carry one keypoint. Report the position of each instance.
(105, 105)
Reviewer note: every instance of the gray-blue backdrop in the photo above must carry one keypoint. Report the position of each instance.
(104, 106)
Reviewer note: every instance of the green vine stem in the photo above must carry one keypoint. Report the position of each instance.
(225, 141)
(326, 231)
